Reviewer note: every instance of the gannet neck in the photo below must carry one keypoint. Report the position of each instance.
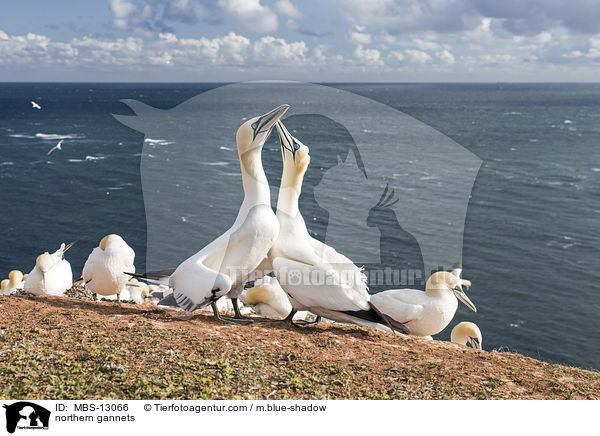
(289, 192)
(256, 185)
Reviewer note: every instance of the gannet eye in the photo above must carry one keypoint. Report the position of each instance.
(254, 125)
(457, 288)
(296, 146)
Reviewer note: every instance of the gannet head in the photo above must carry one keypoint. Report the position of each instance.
(259, 294)
(442, 281)
(254, 132)
(15, 278)
(3, 285)
(110, 240)
(293, 151)
(468, 334)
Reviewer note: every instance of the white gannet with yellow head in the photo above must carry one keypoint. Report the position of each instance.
(467, 333)
(267, 298)
(315, 276)
(3, 286)
(424, 313)
(15, 282)
(105, 268)
(51, 274)
(138, 291)
(240, 254)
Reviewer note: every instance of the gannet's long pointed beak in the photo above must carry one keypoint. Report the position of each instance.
(266, 122)
(474, 343)
(72, 243)
(286, 139)
(463, 297)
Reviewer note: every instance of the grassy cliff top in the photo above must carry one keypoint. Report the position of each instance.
(67, 348)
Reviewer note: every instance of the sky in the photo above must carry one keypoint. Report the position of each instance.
(309, 40)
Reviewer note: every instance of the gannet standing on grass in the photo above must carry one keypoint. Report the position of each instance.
(315, 277)
(424, 313)
(467, 333)
(51, 274)
(104, 269)
(237, 256)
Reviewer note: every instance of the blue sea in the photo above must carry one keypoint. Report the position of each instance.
(531, 230)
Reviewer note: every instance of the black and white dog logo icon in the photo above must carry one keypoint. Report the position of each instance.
(27, 415)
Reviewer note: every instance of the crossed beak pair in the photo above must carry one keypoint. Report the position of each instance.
(266, 122)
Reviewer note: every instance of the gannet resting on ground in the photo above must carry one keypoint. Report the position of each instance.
(240, 254)
(3, 285)
(104, 269)
(15, 282)
(35, 105)
(56, 147)
(138, 291)
(424, 313)
(51, 274)
(467, 333)
(267, 298)
(315, 277)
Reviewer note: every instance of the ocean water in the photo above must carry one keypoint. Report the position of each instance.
(531, 233)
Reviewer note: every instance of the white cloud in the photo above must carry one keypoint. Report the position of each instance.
(286, 7)
(446, 57)
(251, 14)
(121, 10)
(358, 37)
(368, 56)
(278, 52)
(418, 56)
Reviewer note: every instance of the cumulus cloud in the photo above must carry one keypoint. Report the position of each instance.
(286, 7)
(368, 56)
(277, 51)
(358, 36)
(251, 14)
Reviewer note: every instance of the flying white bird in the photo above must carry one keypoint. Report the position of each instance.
(467, 334)
(424, 313)
(315, 277)
(35, 105)
(56, 147)
(105, 268)
(239, 255)
(51, 274)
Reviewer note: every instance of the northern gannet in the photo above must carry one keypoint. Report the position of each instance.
(56, 147)
(104, 269)
(467, 334)
(240, 254)
(424, 313)
(35, 105)
(267, 298)
(3, 285)
(138, 291)
(15, 282)
(51, 274)
(315, 277)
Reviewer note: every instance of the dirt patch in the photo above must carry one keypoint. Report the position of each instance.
(68, 348)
